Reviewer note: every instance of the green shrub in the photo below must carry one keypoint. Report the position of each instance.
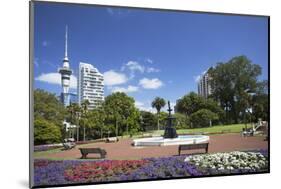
(202, 118)
(46, 132)
(182, 121)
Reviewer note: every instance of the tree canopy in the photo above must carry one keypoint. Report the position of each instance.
(231, 83)
(49, 114)
(120, 108)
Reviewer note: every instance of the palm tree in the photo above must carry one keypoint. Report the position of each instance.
(84, 105)
(158, 103)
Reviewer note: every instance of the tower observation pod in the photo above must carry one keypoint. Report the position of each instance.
(65, 72)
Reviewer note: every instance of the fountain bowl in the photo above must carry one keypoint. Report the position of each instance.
(161, 141)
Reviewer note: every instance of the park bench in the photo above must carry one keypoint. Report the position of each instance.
(112, 139)
(86, 151)
(193, 147)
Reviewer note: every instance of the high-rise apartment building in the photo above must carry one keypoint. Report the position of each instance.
(204, 85)
(90, 85)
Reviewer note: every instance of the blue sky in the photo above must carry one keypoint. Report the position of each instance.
(145, 53)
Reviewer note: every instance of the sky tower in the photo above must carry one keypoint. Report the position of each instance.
(65, 72)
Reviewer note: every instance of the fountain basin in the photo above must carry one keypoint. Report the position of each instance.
(160, 141)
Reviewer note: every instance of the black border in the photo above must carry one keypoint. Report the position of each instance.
(31, 51)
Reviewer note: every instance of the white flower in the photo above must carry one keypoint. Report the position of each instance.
(230, 161)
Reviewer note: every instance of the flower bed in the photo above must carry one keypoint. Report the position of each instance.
(49, 172)
(228, 163)
(165, 167)
(102, 171)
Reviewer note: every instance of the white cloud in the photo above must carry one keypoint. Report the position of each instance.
(154, 83)
(133, 67)
(138, 103)
(114, 78)
(147, 109)
(149, 60)
(55, 78)
(143, 107)
(151, 70)
(129, 89)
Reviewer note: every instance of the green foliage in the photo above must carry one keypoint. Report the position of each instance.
(133, 122)
(229, 83)
(95, 123)
(49, 114)
(192, 103)
(189, 103)
(260, 102)
(182, 121)
(74, 112)
(119, 109)
(48, 107)
(46, 132)
(260, 107)
(148, 121)
(158, 103)
(202, 118)
(162, 119)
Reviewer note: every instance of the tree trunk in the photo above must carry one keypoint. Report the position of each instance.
(158, 121)
(77, 133)
(84, 133)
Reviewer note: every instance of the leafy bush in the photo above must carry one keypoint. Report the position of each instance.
(46, 132)
(202, 118)
(182, 121)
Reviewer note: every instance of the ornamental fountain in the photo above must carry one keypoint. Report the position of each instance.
(170, 131)
(170, 136)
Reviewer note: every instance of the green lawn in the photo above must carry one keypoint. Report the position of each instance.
(236, 128)
(44, 153)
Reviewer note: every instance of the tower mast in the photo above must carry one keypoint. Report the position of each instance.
(65, 53)
(65, 72)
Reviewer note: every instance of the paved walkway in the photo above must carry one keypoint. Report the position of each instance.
(124, 150)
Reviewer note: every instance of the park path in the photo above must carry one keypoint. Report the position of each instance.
(124, 150)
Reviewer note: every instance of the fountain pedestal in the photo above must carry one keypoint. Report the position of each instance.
(170, 131)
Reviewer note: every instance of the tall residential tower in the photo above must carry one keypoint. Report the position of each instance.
(65, 72)
(204, 86)
(90, 85)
